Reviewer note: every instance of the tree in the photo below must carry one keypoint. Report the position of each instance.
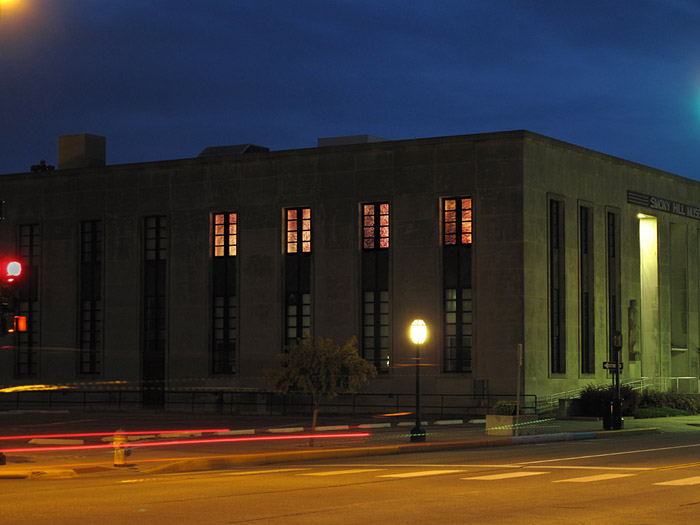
(322, 369)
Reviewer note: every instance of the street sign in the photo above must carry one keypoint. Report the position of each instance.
(611, 365)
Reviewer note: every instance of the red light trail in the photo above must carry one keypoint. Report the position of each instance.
(189, 442)
(131, 433)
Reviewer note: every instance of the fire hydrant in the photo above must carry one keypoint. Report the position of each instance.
(120, 450)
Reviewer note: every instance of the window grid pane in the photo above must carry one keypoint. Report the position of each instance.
(225, 234)
(298, 238)
(457, 221)
(375, 226)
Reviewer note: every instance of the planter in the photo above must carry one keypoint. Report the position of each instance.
(506, 425)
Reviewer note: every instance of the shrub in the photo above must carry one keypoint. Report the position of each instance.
(594, 399)
(656, 399)
(505, 408)
(649, 412)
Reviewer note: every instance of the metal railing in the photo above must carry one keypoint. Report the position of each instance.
(688, 385)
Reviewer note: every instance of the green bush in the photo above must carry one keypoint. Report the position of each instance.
(656, 399)
(594, 400)
(649, 412)
(505, 408)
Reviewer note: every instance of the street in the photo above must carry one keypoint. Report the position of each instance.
(651, 478)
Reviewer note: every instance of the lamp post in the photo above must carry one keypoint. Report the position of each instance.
(419, 333)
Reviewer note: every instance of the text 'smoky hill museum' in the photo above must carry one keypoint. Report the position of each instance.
(195, 273)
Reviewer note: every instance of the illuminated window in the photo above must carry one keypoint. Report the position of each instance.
(375, 284)
(457, 221)
(298, 227)
(375, 226)
(224, 297)
(297, 275)
(225, 234)
(457, 305)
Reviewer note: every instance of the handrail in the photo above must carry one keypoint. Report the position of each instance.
(636, 383)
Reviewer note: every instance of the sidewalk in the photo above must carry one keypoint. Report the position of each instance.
(258, 440)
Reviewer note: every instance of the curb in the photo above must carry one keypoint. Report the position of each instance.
(35, 474)
(223, 462)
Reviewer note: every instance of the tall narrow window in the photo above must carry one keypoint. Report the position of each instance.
(28, 342)
(375, 284)
(297, 270)
(458, 305)
(614, 279)
(557, 295)
(586, 284)
(225, 304)
(457, 221)
(154, 310)
(90, 297)
(299, 230)
(679, 293)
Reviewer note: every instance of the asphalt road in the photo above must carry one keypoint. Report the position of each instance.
(646, 479)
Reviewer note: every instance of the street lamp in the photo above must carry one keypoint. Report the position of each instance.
(419, 333)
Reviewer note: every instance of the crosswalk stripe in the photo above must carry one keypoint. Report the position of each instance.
(419, 473)
(507, 475)
(271, 471)
(340, 472)
(695, 480)
(587, 479)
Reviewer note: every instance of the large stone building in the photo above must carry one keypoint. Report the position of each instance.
(195, 273)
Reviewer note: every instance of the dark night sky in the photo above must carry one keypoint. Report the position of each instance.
(165, 79)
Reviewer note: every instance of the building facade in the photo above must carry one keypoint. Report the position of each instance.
(196, 273)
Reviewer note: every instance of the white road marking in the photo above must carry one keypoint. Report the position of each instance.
(583, 467)
(271, 471)
(695, 480)
(610, 454)
(341, 472)
(506, 475)
(588, 479)
(420, 473)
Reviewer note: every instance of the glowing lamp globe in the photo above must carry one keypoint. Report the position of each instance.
(12, 271)
(419, 331)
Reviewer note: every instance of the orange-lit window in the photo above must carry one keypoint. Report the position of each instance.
(457, 221)
(225, 234)
(298, 228)
(375, 226)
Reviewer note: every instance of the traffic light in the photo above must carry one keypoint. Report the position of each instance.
(10, 322)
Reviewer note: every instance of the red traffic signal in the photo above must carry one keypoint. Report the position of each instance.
(13, 269)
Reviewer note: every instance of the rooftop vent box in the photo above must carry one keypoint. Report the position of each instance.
(238, 149)
(81, 151)
(348, 139)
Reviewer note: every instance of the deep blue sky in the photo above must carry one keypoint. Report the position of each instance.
(165, 79)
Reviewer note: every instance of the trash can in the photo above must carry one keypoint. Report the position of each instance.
(612, 415)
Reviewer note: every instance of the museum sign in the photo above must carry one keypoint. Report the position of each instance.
(657, 203)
